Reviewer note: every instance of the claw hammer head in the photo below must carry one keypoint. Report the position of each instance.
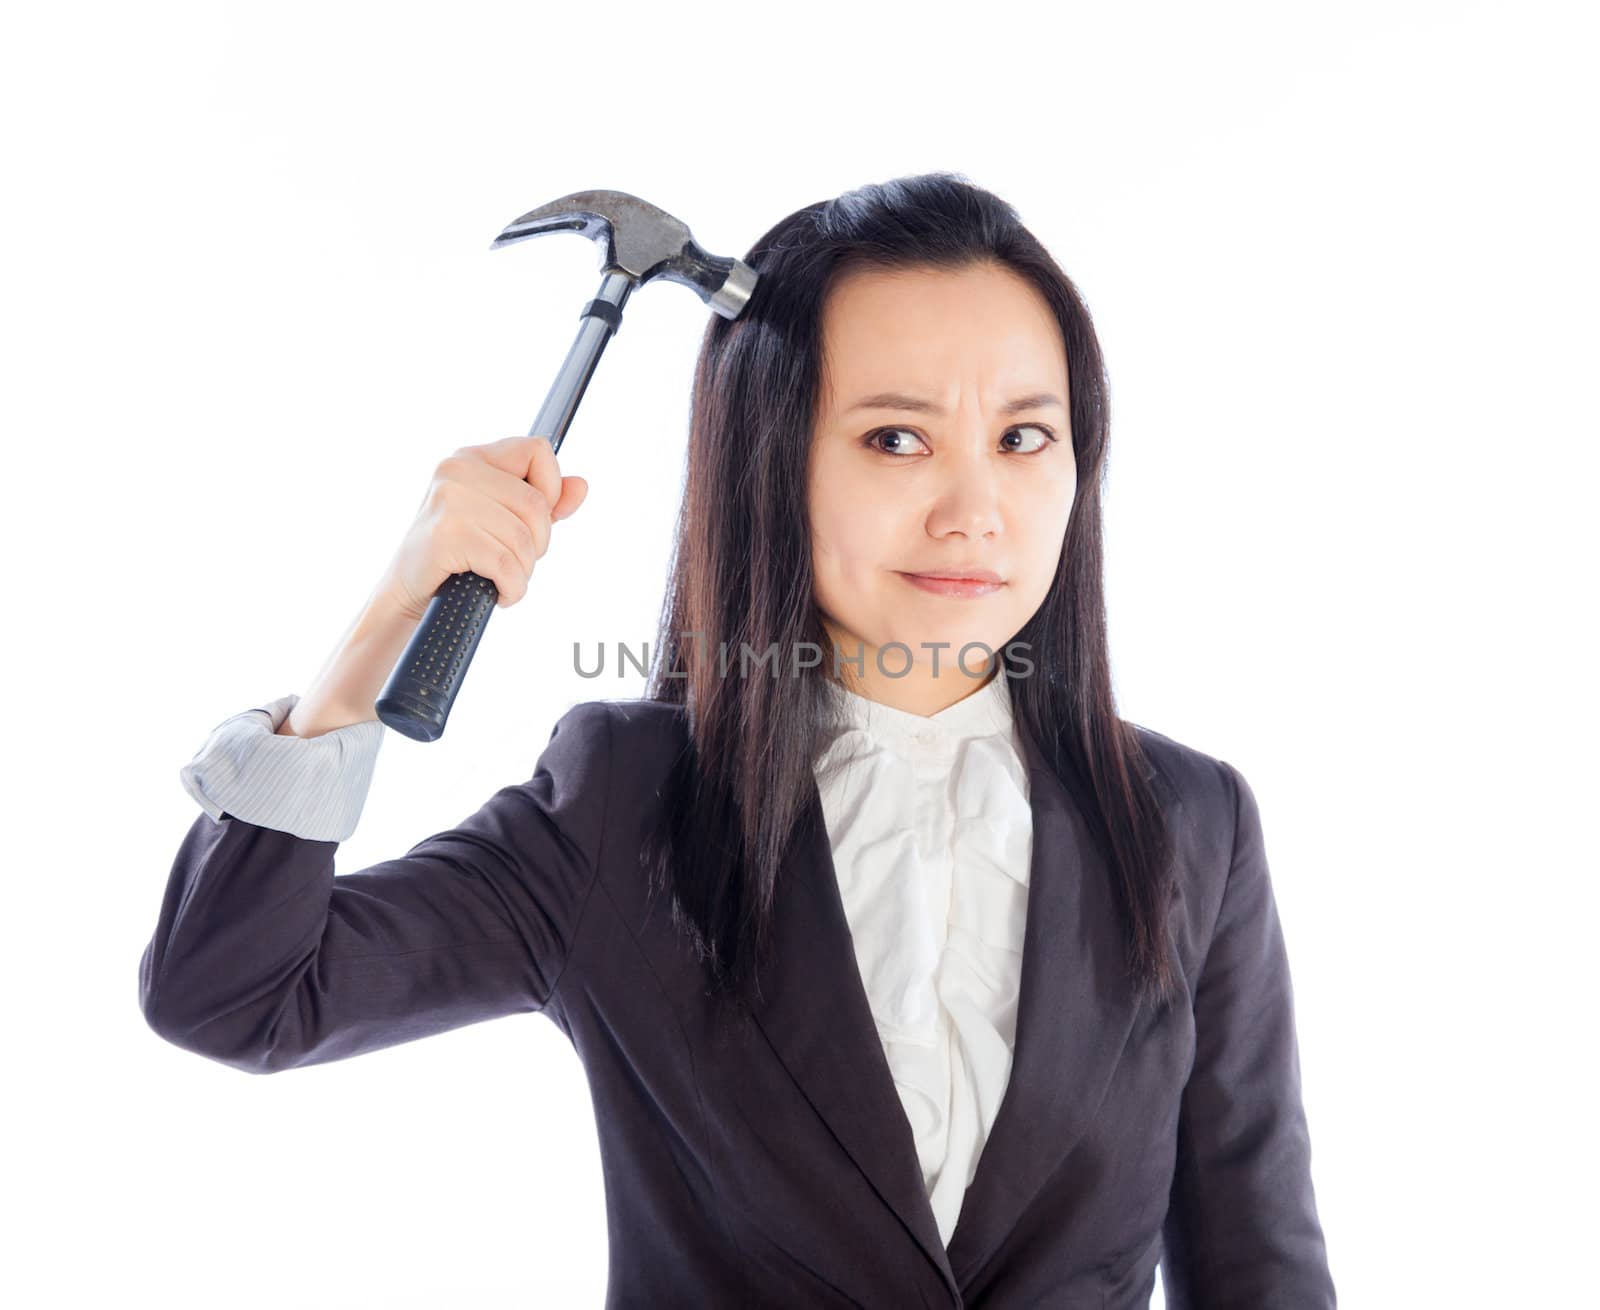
(641, 242)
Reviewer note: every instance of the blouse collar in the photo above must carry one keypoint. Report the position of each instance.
(982, 713)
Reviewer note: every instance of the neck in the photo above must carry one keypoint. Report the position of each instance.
(920, 690)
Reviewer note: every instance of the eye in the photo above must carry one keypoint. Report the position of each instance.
(1049, 436)
(897, 433)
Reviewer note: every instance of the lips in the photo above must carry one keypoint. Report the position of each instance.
(977, 583)
(959, 575)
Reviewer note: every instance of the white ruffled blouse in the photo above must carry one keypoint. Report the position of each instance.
(932, 834)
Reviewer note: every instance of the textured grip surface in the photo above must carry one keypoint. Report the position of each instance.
(417, 698)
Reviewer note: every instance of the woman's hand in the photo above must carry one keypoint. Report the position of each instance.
(488, 510)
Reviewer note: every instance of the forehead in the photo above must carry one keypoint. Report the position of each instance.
(926, 330)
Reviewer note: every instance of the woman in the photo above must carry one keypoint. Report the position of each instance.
(903, 971)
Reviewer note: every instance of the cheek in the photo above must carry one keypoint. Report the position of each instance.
(843, 538)
(846, 565)
(1046, 508)
(1040, 526)
(853, 527)
(852, 549)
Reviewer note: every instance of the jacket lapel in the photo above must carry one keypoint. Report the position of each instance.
(815, 1015)
(1075, 1012)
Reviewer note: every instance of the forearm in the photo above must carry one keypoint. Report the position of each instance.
(347, 688)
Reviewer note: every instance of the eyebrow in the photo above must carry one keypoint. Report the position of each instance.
(900, 400)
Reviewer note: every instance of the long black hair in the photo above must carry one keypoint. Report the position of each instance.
(741, 576)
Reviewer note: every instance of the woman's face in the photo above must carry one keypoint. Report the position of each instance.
(943, 476)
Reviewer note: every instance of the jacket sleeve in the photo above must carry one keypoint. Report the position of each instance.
(264, 960)
(1241, 1230)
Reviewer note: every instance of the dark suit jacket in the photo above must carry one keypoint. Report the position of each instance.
(769, 1162)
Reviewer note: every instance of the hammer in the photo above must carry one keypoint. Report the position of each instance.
(641, 244)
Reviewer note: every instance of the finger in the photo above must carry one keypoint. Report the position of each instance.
(524, 544)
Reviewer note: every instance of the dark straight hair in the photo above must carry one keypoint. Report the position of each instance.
(741, 577)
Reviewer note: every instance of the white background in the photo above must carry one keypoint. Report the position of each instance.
(1342, 262)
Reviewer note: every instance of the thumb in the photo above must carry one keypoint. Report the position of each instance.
(574, 491)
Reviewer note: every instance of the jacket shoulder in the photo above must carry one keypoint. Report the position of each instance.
(644, 736)
(1195, 775)
(1202, 789)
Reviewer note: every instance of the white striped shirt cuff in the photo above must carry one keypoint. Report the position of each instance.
(311, 787)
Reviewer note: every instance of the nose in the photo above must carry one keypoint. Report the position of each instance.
(967, 501)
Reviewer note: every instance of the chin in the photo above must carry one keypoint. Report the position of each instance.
(951, 639)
